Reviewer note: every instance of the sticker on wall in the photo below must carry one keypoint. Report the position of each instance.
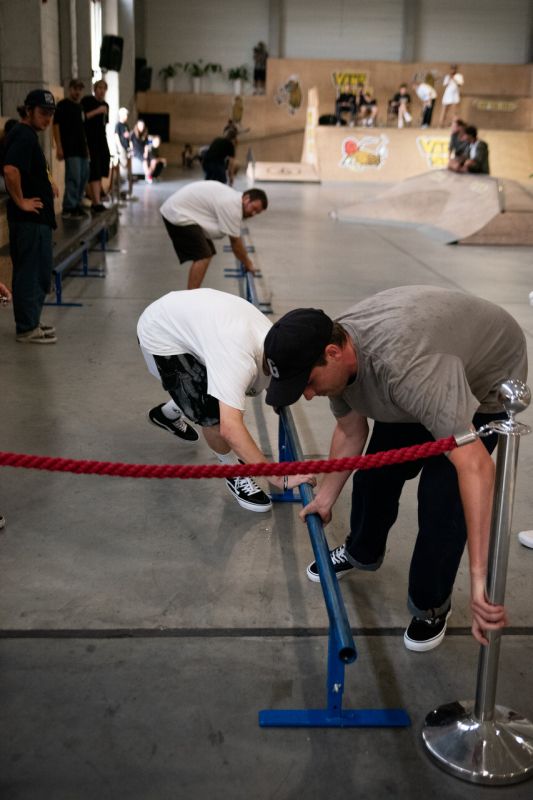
(434, 150)
(369, 152)
(289, 94)
(349, 81)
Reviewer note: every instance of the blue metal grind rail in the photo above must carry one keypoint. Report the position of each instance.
(341, 646)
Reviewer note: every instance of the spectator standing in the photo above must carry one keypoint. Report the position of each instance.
(451, 98)
(427, 95)
(124, 149)
(207, 210)
(260, 64)
(71, 147)
(96, 118)
(139, 143)
(219, 160)
(31, 217)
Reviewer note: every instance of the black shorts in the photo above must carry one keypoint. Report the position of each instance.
(190, 242)
(185, 379)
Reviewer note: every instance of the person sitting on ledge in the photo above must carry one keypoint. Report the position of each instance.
(346, 102)
(368, 109)
(475, 158)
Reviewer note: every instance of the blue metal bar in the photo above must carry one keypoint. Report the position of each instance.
(328, 581)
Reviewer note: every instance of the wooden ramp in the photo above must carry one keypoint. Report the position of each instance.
(464, 209)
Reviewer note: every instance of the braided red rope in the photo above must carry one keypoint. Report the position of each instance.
(228, 471)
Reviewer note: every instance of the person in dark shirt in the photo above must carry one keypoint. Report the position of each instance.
(475, 158)
(346, 102)
(30, 217)
(139, 143)
(457, 146)
(71, 146)
(156, 164)
(219, 161)
(96, 118)
(400, 104)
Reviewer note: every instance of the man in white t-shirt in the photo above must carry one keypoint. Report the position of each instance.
(427, 95)
(206, 347)
(207, 210)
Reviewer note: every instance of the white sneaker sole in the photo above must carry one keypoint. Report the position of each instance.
(429, 644)
(526, 538)
(250, 506)
(316, 578)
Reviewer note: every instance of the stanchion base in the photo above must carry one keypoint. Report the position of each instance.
(324, 718)
(496, 752)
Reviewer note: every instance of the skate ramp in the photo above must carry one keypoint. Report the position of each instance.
(464, 209)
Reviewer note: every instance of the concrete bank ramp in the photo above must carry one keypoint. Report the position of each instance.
(463, 209)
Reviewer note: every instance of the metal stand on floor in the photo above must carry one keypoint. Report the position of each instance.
(341, 647)
(479, 741)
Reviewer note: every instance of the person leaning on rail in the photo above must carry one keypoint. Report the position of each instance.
(205, 210)
(206, 348)
(423, 363)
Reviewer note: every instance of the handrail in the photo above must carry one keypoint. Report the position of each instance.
(330, 586)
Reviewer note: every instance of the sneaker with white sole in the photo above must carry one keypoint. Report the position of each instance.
(426, 634)
(339, 561)
(248, 494)
(36, 336)
(179, 427)
(48, 330)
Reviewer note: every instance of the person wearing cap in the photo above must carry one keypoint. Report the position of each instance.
(206, 347)
(96, 118)
(71, 147)
(203, 211)
(31, 217)
(423, 363)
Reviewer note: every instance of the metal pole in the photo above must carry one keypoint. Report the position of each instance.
(479, 741)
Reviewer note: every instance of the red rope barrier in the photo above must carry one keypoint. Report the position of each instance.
(184, 471)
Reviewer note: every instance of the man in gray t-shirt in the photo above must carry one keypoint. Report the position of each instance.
(422, 363)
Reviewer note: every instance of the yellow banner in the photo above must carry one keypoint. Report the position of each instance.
(348, 81)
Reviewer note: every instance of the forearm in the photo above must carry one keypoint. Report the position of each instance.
(239, 250)
(342, 446)
(13, 184)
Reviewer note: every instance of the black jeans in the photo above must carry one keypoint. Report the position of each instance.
(442, 529)
(30, 246)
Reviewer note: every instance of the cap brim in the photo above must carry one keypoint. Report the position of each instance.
(288, 391)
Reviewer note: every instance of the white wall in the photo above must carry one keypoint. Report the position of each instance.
(225, 31)
(367, 29)
(474, 31)
(220, 31)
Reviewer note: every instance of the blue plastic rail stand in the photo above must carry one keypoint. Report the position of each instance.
(285, 454)
(341, 647)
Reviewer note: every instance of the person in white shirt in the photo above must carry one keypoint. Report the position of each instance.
(207, 210)
(427, 94)
(206, 348)
(451, 97)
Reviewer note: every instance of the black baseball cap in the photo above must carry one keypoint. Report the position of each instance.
(293, 345)
(41, 98)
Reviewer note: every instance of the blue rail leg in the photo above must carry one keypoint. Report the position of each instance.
(285, 454)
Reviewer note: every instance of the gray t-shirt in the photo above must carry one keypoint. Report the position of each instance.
(430, 355)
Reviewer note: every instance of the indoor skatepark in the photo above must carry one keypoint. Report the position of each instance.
(145, 624)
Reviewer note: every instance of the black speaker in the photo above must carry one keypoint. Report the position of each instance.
(143, 79)
(111, 53)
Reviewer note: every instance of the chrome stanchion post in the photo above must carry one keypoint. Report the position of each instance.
(479, 741)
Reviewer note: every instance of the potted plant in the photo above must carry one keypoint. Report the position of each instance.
(238, 75)
(197, 70)
(168, 74)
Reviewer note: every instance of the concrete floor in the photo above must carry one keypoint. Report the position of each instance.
(145, 623)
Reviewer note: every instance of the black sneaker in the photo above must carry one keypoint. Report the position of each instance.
(340, 563)
(179, 427)
(425, 634)
(248, 494)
